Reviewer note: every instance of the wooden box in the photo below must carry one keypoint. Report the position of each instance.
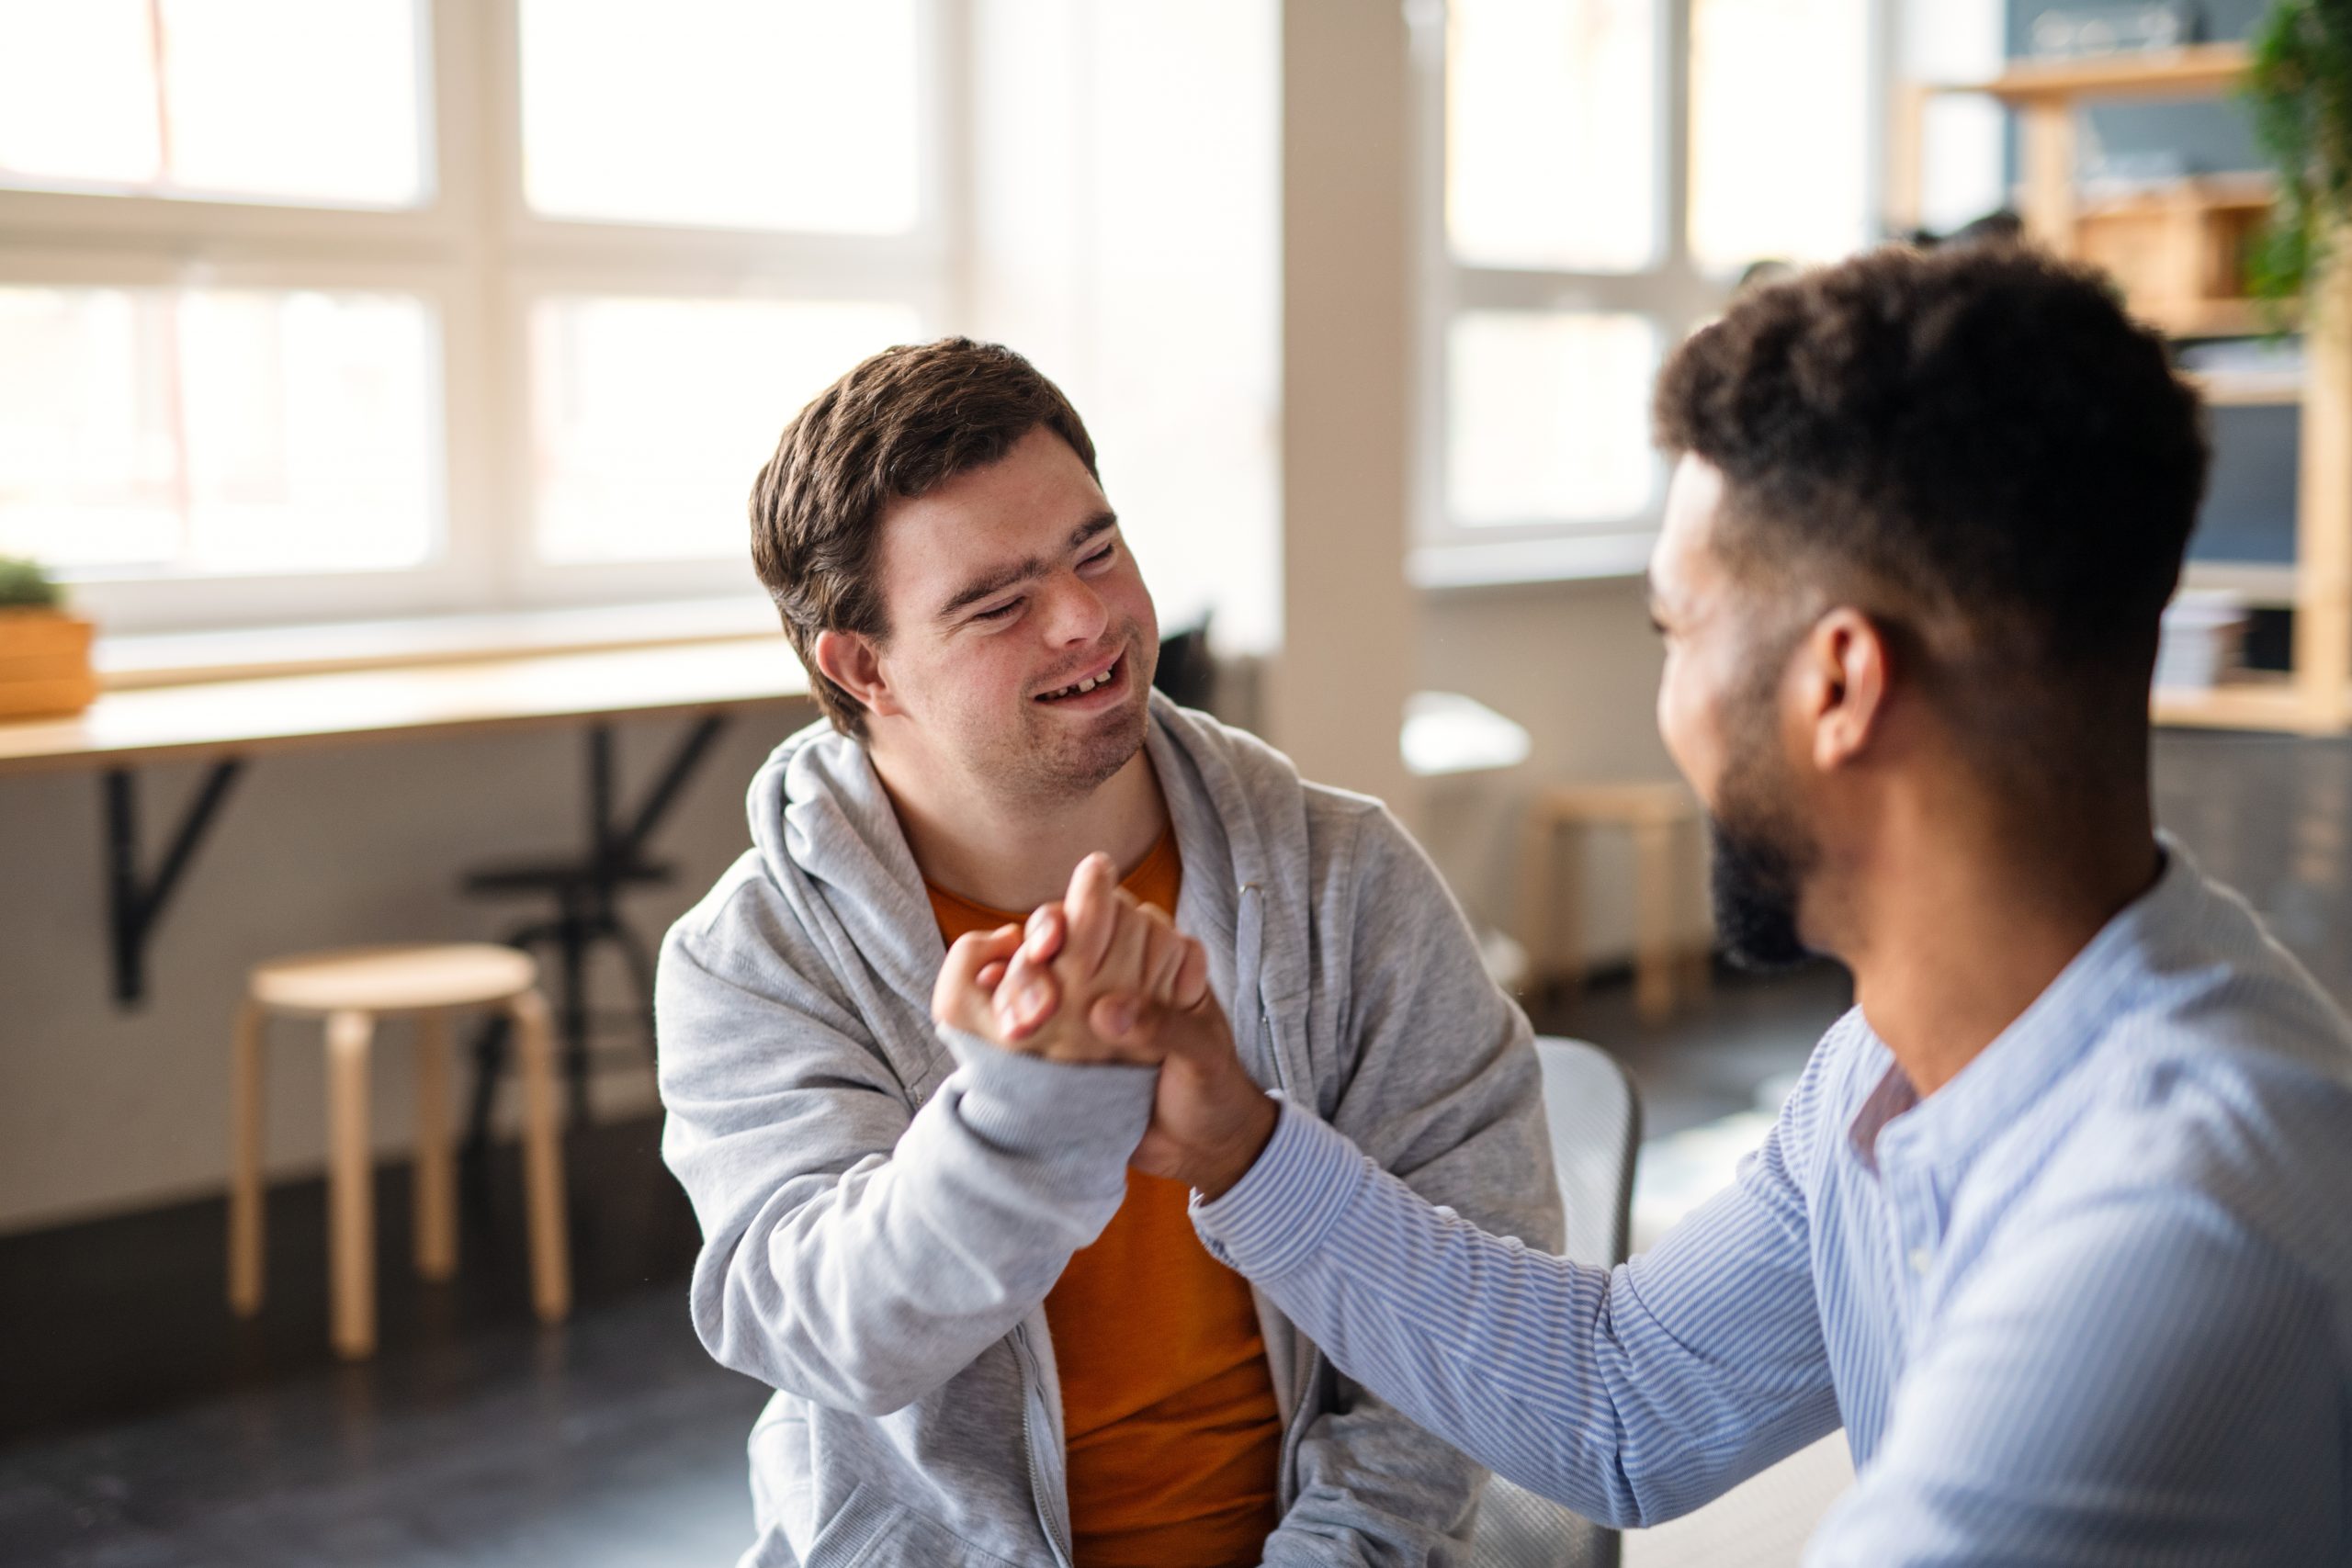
(2179, 251)
(44, 664)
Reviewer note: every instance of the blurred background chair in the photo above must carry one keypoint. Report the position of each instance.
(1187, 668)
(1663, 820)
(584, 887)
(1596, 1117)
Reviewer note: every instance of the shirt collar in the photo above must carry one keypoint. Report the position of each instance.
(2039, 1046)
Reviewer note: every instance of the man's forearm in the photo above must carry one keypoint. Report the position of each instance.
(1552, 1374)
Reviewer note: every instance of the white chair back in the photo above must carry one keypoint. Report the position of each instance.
(1596, 1119)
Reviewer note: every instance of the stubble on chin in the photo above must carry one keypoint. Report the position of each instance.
(1067, 766)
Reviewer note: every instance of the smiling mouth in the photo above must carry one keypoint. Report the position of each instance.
(1091, 684)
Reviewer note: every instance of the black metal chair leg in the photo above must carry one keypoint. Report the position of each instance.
(490, 1064)
(572, 1016)
(641, 969)
(489, 1053)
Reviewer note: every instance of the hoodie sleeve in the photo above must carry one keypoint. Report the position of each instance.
(858, 1252)
(1439, 1083)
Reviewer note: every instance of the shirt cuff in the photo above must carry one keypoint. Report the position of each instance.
(1275, 1218)
(1028, 1105)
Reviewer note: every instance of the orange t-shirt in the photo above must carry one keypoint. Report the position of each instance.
(1174, 1436)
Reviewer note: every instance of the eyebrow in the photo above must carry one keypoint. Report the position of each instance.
(996, 582)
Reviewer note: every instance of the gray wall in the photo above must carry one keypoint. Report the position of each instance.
(1578, 664)
(102, 1110)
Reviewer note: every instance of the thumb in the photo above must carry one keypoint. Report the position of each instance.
(1121, 1019)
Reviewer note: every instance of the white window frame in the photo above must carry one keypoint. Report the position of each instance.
(481, 258)
(1674, 294)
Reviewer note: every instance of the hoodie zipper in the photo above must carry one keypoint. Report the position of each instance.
(1033, 1379)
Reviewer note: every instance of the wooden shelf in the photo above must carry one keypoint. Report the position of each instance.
(2260, 586)
(2205, 318)
(2265, 705)
(2170, 73)
(2195, 193)
(2248, 389)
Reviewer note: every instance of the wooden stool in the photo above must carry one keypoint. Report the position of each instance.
(1658, 815)
(351, 987)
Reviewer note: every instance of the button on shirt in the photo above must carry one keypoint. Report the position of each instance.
(2091, 1303)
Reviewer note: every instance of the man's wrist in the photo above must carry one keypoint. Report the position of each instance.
(1220, 1174)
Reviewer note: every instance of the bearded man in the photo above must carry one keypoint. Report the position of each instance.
(2054, 1224)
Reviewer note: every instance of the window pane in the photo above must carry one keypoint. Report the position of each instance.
(162, 432)
(1779, 122)
(1551, 144)
(752, 114)
(1547, 417)
(650, 417)
(77, 92)
(1962, 138)
(278, 100)
(1181, 377)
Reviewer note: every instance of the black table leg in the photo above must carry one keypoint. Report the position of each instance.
(134, 907)
(674, 775)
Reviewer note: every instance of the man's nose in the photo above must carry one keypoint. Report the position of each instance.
(1074, 612)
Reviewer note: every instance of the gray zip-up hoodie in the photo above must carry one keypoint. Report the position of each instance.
(884, 1203)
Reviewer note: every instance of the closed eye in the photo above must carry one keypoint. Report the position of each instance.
(1100, 557)
(1001, 613)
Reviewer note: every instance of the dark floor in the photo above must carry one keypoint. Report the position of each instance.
(144, 1426)
(141, 1427)
(1749, 1034)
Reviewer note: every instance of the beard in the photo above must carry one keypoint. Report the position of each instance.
(1760, 856)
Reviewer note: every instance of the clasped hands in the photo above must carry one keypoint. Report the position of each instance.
(1102, 978)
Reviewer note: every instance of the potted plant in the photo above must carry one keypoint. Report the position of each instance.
(44, 652)
(2299, 89)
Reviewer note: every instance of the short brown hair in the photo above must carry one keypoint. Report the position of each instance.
(899, 425)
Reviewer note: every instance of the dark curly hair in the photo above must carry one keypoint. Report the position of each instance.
(899, 425)
(1977, 434)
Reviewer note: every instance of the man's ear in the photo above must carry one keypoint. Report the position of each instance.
(850, 660)
(1842, 684)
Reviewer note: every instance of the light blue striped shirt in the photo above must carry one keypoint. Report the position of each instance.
(2090, 1303)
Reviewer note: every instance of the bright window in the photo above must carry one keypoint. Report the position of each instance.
(801, 115)
(338, 308)
(1780, 117)
(257, 100)
(1551, 133)
(315, 307)
(172, 432)
(1548, 417)
(650, 416)
(1601, 173)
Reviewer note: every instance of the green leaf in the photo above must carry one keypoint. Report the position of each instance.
(24, 586)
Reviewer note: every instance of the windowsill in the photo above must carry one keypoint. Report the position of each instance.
(1576, 558)
(128, 661)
